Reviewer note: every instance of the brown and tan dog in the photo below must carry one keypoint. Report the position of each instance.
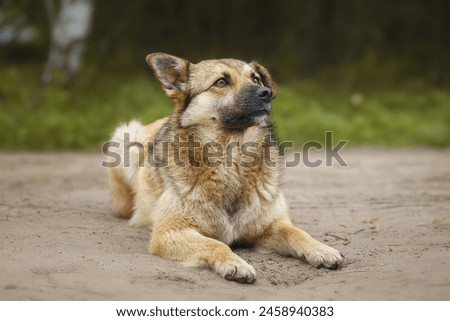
(199, 195)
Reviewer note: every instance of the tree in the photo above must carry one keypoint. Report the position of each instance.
(69, 30)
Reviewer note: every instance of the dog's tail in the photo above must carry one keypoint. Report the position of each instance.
(129, 142)
(128, 147)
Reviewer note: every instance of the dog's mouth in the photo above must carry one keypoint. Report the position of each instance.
(257, 117)
(251, 119)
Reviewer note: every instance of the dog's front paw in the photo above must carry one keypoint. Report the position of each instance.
(320, 255)
(236, 270)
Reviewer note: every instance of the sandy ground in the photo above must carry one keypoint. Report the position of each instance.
(388, 212)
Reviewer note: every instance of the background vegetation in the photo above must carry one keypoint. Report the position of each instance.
(375, 72)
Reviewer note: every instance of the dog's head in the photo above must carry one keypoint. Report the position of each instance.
(225, 92)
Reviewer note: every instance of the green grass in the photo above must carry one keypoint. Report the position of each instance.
(394, 118)
(53, 118)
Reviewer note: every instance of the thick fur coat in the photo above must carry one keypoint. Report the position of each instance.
(207, 176)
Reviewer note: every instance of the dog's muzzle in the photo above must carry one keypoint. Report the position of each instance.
(253, 106)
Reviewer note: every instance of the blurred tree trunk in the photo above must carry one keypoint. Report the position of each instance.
(70, 27)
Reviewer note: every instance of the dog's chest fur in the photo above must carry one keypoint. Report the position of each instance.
(231, 195)
(236, 181)
(236, 196)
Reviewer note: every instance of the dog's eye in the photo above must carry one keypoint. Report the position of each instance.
(256, 80)
(222, 82)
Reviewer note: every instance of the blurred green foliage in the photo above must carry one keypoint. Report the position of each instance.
(293, 38)
(82, 118)
(374, 72)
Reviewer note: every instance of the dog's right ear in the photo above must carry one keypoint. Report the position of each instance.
(172, 72)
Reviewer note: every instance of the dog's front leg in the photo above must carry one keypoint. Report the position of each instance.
(190, 247)
(285, 238)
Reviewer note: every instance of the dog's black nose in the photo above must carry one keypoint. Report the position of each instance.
(264, 93)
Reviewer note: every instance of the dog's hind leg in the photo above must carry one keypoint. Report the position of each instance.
(190, 247)
(121, 194)
(145, 198)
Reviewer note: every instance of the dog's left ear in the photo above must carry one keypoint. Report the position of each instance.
(266, 78)
(172, 72)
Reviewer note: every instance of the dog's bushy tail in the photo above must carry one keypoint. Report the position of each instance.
(131, 140)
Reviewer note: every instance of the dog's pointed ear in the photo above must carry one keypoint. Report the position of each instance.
(172, 72)
(266, 78)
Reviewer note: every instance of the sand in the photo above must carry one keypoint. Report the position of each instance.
(388, 212)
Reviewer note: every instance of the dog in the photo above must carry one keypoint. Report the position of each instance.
(199, 197)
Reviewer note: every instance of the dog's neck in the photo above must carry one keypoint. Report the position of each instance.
(250, 135)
